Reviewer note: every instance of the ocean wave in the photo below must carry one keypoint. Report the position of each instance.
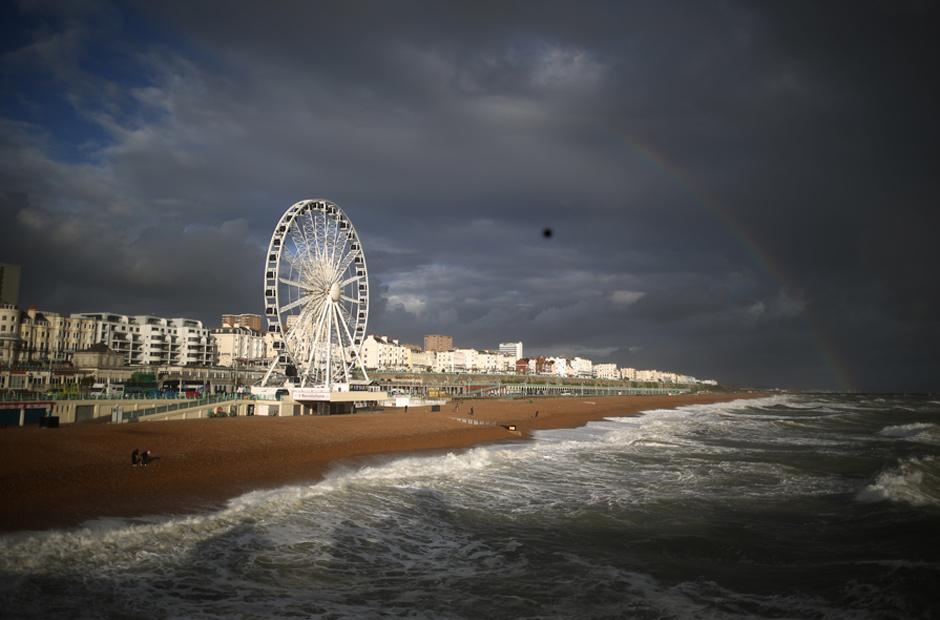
(906, 430)
(915, 481)
(923, 432)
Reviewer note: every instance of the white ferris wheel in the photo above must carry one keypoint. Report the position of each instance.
(316, 297)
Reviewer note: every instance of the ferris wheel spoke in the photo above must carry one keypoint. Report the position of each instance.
(334, 324)
(310, 228)
(296, 262)
(346, 261)
(307, 347)
(349, 299)
(349, 281)
(306, 287)
(339, 248)
(297, 302)
(301, 243)
(295, 332)
(311, 356)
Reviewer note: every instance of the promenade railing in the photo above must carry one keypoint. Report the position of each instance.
(182, 404)
(45, 397)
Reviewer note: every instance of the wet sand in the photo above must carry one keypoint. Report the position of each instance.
(52, 478)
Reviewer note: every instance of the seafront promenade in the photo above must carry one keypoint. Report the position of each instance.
(30, 410)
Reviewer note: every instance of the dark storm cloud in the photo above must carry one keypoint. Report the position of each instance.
(146, 154)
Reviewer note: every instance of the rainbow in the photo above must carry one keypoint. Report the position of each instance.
(828, 352)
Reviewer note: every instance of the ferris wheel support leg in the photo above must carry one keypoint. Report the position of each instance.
(311, 357)
(271, 368)
(329, 350)
(339, 338)
(356, 355)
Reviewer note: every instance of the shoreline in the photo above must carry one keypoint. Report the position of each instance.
(60, 478)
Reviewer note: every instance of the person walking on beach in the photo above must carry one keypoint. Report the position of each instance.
(135, 457)
(145, 458)
(536, 413)
(471, 410)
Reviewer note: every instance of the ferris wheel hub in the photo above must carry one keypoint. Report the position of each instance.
(334, 292)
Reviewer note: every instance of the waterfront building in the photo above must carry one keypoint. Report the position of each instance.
(9, 284)
(438, 343)
(648, 376)
(444, 361)
(628, 374)
(383, 353)
(9, 333)
(560, 366)
(544, 366)
(511, 348)
(53, 337)
(238, 345)
(493, 362)
(97, 356)
(148, 339)
(582, 367)
(606, 371)
(250, 321)
(419, 360)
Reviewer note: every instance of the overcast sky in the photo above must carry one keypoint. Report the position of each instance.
(739, 190)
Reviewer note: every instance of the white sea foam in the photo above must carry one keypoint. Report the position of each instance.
(923, 432)
(915, 481)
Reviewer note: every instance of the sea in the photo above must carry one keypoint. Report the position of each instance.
(789, 506)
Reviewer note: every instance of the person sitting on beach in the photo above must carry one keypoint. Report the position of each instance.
(145, 458)
(135, 457)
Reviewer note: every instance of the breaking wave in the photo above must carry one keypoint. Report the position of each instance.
(915, 481)
(924, 432)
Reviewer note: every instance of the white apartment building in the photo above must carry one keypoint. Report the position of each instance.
(384, 353)
(628, 374)
(148, 339)
(420, 361)
(444, 361)
(493, 362)
(471, 360)
(513, 349)
(582, 367)
(606, 371)
(238, 345)
(648, 375)
(560, 367)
